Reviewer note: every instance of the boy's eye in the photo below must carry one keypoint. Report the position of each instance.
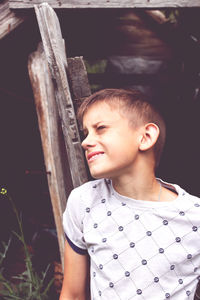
(101, 127)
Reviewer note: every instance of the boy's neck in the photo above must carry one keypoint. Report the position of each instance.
(143, 187)
(139, 188)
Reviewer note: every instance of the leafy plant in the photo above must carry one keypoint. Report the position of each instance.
(172, 15)
(30, 285)
(95, 66)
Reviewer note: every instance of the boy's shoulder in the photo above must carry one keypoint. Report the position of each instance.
(182, 193)
(98, 184)
(91, 190)
(87, 196)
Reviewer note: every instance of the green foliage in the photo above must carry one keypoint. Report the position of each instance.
(30, 285)
(172, 15)
(95, 66)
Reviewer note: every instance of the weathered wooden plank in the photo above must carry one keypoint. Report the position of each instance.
(8, 19)
(106, 3)
(56, 57)
(55, 156)
(51, 137)
(78, 80)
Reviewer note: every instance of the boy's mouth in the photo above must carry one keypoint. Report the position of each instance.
(94, 155)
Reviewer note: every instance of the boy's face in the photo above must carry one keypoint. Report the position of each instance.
(111, 145)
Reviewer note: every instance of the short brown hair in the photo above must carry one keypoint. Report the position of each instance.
(131, 102)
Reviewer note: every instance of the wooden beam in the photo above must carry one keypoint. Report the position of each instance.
(8, 19)
(106, 3)
(78, 80)
(54, 79)
(56, 56)
(51, 137)
(55, 156)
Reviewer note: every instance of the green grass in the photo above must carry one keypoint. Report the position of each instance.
(30, 285)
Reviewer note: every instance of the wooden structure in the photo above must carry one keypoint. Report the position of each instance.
(57, 121)
(107, 3)
(8, 19)
(59, 82)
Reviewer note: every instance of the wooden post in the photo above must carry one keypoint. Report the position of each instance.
(56, 57)
(52, 141)
(55, 156)
(48, 69)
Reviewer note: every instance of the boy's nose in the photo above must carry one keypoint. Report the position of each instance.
(88, 142)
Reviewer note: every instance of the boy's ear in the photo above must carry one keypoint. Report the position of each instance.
(149, 137)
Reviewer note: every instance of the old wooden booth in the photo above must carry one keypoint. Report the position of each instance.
(123, 44)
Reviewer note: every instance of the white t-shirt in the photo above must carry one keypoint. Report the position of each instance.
(138, 249)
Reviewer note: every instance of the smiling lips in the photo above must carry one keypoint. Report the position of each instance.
(94, 155)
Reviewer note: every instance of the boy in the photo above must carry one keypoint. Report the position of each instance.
(141, 234)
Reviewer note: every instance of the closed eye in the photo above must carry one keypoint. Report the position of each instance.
(101, 127)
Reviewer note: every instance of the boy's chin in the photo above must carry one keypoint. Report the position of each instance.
(98, 175)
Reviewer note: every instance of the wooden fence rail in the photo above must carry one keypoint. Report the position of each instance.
(147, 4)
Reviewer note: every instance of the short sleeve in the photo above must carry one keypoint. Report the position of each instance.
(72, 223)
